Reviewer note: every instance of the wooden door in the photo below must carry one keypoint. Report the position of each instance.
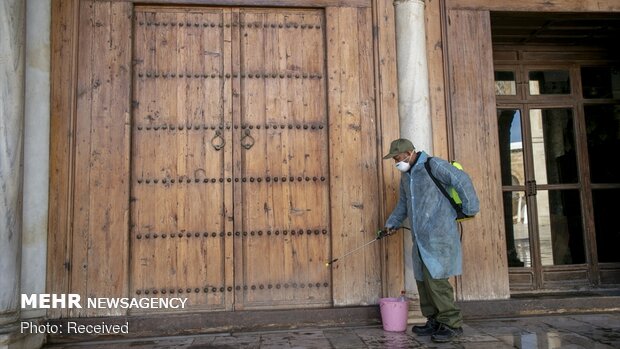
(282, 221)
(181, 196)
(230, 103)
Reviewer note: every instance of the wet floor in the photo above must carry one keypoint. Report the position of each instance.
(589, 331)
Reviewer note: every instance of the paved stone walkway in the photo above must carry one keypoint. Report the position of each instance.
(592, 331)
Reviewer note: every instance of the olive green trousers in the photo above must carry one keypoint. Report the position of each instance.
(437, 300)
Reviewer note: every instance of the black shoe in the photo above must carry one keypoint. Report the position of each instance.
(429, 328)
(446, 333)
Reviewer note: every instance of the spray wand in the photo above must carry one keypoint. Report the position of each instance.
(380, 235)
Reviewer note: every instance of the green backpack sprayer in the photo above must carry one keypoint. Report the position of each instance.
(450, 193)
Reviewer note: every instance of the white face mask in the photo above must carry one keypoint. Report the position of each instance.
(403, 166)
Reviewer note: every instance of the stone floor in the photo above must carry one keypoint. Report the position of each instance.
(591, 331)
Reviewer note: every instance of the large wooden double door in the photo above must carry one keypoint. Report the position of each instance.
(222, 154)
(230, 182)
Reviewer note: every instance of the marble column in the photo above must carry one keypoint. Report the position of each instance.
(413, 93)
(12, 40)
(36, 151)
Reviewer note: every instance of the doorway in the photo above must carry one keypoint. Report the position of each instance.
(557, 86)
(230, 201)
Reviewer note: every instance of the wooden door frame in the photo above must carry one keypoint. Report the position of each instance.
(583, 56)
(64, 96)
(527, 103)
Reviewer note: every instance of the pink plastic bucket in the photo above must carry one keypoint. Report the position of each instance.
(394, 314)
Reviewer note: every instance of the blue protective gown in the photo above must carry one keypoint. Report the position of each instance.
(432, 217)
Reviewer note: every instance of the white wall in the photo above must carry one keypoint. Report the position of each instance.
(12, 37)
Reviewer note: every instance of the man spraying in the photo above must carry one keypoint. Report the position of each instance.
(436, 243)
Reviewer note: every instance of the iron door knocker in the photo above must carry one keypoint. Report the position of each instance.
(247, 144)
(218, 144)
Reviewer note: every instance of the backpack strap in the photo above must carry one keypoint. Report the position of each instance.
(457, 207)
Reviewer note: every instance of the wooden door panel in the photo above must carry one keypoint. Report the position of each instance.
(284, 218)
(470, 63)
(353, 160)
(99, 244)
(180, 191)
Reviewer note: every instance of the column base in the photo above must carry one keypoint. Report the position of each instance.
(415, 314)
(12, 338)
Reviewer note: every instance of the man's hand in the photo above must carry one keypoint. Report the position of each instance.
(385, 232)
(382, 233)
